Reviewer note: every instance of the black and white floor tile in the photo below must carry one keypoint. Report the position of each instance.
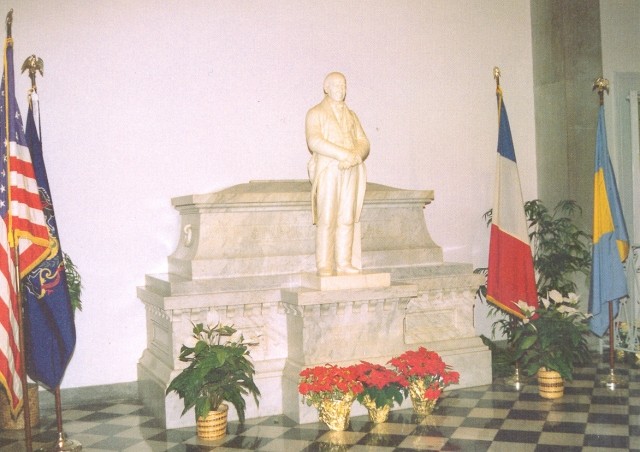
(589, 417)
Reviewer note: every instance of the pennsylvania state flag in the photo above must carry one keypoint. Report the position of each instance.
(50, 333)
(610, 239)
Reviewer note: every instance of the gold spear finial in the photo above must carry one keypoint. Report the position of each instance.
(601, 85)
(496, 75)
(9, 22)
(33, 64)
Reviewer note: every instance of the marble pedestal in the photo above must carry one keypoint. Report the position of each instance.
(246, 257)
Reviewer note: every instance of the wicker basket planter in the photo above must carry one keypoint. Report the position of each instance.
(214, 426)
(550, 384)
(7, 422)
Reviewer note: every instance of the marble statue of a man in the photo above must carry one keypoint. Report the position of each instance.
(338, 178)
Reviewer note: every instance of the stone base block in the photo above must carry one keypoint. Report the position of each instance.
(345, 282)
(245, 257)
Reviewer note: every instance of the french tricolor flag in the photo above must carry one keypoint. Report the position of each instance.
(511, 276)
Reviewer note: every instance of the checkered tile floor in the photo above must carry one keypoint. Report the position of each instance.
(491, 418)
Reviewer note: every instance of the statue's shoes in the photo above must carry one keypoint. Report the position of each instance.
(347, 270)
(325, 272)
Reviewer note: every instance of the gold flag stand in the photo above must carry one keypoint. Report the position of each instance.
(611, 381)
(516, 380)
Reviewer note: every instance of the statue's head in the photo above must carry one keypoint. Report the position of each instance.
(335, 86)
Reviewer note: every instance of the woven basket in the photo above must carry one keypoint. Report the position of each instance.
(7, 422)
(214, 426)
(550, 384)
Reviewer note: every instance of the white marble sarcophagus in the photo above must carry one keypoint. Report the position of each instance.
(246, 257)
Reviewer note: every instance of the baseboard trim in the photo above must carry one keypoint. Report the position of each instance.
(89, 394)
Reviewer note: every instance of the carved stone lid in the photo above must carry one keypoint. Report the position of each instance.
(290, 192)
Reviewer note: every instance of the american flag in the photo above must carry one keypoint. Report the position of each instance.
(23, 225)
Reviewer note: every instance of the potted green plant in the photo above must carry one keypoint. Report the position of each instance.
(218, 371)
(551, 338)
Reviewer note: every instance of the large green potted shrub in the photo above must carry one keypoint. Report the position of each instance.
(218, 371)
(561, 251)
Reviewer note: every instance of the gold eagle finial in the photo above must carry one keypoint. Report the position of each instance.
(601, 85)
(34, 65)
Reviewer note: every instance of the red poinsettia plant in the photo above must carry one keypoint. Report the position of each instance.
(427, 367)
(329, 382)
(381, 385)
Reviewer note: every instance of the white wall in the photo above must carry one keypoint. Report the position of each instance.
(621, 66)
(143, 101)
(619, 26)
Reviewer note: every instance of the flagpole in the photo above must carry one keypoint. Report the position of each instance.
(516, 380)
(23, 372)
(611, 381)
(26, 411)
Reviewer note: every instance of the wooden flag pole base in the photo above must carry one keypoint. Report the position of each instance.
(515, 380)
(613, 381)
(63, 444)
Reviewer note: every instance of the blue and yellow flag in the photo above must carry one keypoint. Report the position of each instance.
(610, 239)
